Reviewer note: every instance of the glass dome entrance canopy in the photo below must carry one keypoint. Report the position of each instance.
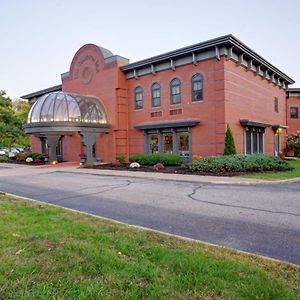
(64, 107)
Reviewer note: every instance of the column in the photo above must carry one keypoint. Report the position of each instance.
(52, 141)
(89, 139)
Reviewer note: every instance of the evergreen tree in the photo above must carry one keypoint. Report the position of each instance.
(229, 148)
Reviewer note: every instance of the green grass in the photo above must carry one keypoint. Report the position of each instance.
(51, 253)
(278, 175)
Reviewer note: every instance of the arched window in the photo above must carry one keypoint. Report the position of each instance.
(175, 91)
(155, 92)
(138, 98)
(197, 87)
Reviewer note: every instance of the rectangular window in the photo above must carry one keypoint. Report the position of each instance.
(254, 139)
(276, 104)
(294, 112)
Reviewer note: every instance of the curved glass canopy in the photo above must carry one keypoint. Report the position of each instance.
(64, 107)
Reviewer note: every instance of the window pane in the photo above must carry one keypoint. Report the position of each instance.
(248, 142)
(153, 143)
(261, 142)
(183, 139)
(254, 139)
(294, 112)
(138, 98)
(168, 142)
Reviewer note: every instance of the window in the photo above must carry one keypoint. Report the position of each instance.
(276, 104)
(197, 87)
(294, 112)
(175, 91)
(155, 92)
(254, 140)
(138, 98)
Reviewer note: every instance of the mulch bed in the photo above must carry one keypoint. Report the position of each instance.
(166, 169)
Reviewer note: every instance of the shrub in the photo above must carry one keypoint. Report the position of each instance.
(293, 142)
(134, 165)
(152, 159)
(120, 158)
(4, 158)
(229, 145)
(158, 166)
(116, 163)
(240, 163)
(35, 155)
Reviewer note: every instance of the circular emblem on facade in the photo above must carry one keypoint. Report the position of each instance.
(86, 75)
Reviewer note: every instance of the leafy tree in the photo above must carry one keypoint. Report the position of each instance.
(11, 120)
(229, 148)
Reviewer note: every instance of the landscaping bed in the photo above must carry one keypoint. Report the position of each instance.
(229, 165)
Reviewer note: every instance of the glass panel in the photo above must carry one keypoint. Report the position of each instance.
(254, 139)
(153, 143)
(248, 142)
(47, 110)
(168, 143)
(60, 110)
(261, 142)
(183, 139)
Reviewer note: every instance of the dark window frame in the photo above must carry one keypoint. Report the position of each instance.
(138, 103)
(296, 114)
(175, 96)
(254, 140)
(155, 88)
(197, 94)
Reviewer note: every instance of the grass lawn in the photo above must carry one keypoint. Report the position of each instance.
(51, 253)
(278, 175)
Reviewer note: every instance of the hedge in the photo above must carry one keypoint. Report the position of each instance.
(240, 163)
(152, 159)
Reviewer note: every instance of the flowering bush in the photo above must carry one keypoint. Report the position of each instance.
(38, 160)
(197, 157)
(293, 142)
(158, 166)
(116, 163)
(29, 160)
(134, 165)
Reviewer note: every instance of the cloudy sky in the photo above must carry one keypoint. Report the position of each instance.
(39, 38)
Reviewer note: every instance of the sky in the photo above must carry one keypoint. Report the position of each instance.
(40, 38)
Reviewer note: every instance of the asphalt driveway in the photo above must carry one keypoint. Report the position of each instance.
(261, 219)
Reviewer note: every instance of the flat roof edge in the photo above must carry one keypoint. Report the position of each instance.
(42, 92)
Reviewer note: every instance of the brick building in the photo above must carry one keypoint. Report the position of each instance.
(176, 102)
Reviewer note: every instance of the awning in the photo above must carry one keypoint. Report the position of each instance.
(167, 124)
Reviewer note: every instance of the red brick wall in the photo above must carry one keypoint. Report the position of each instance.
(106, 82)
(249, 96)
(35, 144)
(207, 137)
(293, 124)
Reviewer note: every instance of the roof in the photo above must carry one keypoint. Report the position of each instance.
(55, 88)
(227, 41)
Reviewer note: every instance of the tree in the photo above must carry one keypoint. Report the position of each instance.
(229, 148)
(11, 131)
